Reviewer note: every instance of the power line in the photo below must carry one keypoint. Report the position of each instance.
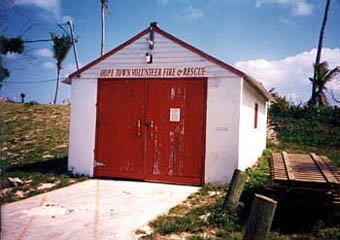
(34, 41)
(42, 81)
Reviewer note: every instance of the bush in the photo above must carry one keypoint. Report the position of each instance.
(304, 124)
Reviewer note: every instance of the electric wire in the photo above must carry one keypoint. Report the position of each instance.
(29, 82)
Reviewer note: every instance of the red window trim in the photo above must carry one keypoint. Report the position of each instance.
(256, 115)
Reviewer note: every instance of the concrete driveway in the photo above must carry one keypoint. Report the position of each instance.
(94, 209)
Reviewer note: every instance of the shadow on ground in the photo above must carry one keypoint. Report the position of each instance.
(294, 213)
(55, 166)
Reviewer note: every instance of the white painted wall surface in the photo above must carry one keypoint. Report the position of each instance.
(82, 126)
(223, 115)
(252, 141)
(223, 105)
(166, 53)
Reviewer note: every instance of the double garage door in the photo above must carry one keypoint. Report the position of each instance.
(151, 129)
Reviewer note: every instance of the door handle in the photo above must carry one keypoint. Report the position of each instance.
(138, 128)
(150, 126)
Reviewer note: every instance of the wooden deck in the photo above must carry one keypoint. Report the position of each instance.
(308, 173)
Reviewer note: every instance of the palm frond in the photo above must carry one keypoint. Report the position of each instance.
(61, 47)
(331, 74)
(323, 75)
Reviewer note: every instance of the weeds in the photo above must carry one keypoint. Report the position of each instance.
(165, 225)
(227, 235)
(196, 237)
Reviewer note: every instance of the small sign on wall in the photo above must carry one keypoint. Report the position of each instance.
(175, 114)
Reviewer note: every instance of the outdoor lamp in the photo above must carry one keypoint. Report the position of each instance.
(148, 58)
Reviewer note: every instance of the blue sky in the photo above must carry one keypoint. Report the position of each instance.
(272, 40)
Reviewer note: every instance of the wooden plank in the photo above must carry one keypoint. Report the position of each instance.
(333, 168)
(289, 169)
(278, 169)
(325, 171)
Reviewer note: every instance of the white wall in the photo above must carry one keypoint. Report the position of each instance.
(166, 53)
(252, 141)
(223, 115)
(82, 126)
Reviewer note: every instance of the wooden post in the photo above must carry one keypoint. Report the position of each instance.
(260, 219)
(234, 191)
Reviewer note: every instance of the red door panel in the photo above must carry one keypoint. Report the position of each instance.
(136, 136)
(194, 141)
(120, 141)
(175, 150)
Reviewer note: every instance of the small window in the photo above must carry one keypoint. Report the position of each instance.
(255, 114)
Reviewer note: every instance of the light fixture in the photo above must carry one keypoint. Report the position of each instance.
(148, 58)
(151, 39)
(151, 43)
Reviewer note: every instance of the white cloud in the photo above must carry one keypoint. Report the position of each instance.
(294, 98)
(290, 75)
(190, 14)
(51, 9)
(287, 21)
(50, 6)
(194, 13)
(298, 7)
(12, 56)
(302, 8)
(43, 52)
(163, 2)
(48, 65)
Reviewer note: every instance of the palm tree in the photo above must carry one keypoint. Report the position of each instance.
(104, 6)
(61, 47)
(313, 100)
(322, 75)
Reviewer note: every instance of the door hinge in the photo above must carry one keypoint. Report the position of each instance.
(98, 164)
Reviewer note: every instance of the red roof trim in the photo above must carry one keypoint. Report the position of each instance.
(201, 53)
(108, 54)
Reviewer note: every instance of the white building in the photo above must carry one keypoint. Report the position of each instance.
(158, 109)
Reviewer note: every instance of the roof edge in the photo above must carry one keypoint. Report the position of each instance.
(106, 55)
(257, 85)
(200, 52)
(67, 81)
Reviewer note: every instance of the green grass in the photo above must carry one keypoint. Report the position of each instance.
(197, 237)
(165, 225)
(34, 148)
(307, 132)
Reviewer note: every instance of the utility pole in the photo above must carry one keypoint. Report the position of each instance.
(103, 27)
(69, 22)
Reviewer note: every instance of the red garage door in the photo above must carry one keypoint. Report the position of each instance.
(152, 130)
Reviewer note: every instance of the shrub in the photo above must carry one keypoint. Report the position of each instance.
(304, 124)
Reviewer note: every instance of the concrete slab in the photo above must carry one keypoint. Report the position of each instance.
(94, 209)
